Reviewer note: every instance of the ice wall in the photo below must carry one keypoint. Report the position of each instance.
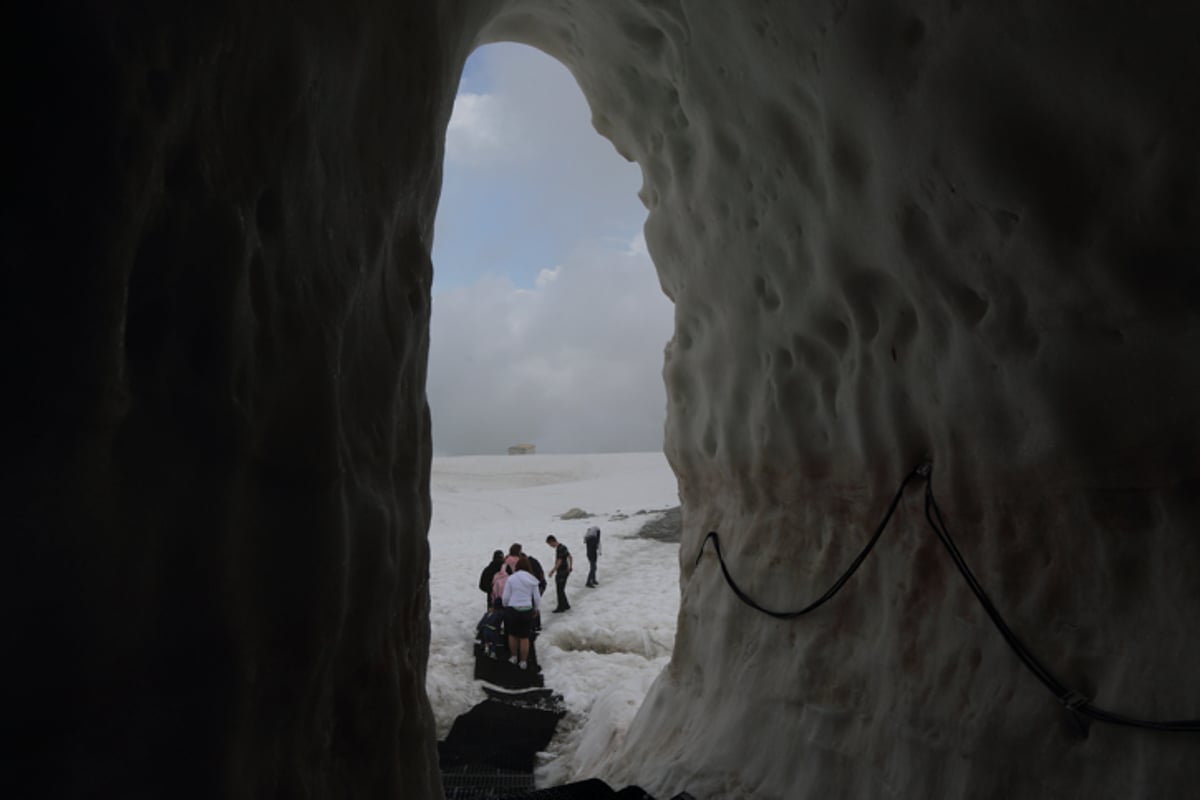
(216, 236)
(953, 231)
(893, 232)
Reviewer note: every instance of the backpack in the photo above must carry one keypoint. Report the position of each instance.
(488, 633)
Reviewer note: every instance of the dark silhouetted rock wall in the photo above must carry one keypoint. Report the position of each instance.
(217, 294)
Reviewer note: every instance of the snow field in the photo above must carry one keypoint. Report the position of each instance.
(604, 653)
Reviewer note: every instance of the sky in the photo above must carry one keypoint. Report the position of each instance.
(548, 322)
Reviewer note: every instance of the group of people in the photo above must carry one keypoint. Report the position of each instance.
(514, 585)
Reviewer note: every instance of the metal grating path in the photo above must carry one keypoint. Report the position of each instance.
(480, 782)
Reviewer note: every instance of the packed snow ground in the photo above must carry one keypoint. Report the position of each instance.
(604, 653)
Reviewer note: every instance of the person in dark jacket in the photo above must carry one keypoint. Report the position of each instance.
(538, 572)
(561, 569)
(489, 572)
(591, 541)
(490, 632)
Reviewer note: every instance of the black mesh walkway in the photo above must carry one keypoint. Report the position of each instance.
(490, 751)
(583, 790)
(502, 733)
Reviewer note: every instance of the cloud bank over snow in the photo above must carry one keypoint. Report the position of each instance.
(573, 364)
(548, 320)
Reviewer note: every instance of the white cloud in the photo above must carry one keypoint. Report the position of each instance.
(476, 132)
(637, 247)
(567, 356)
(572, 365)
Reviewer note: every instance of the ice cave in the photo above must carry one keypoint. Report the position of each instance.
(916, 231)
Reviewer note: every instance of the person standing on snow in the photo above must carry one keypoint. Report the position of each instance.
(521, 602)
(591, 540)
(535, 569)
(562, 566)
(537, 572)
(489, 572)
(508, 567)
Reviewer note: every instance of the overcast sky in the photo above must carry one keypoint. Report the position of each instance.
(548, 321)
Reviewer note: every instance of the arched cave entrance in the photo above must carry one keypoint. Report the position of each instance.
(547, 327)
(547, 323)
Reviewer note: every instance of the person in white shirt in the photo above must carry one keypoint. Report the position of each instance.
(521, 602)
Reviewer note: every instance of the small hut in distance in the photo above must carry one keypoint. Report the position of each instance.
(521, 450)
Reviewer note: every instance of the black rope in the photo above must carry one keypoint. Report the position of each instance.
(745, 598)
(1071, 699)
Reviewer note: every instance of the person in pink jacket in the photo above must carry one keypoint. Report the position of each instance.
(506, 569)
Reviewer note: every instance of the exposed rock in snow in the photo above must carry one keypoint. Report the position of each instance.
(575, 513)
(954, 231)
(665, 527)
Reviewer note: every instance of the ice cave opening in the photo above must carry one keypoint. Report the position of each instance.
(547, 404)
(547, 321)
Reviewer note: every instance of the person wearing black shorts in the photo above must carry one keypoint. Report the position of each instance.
(521, 601)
